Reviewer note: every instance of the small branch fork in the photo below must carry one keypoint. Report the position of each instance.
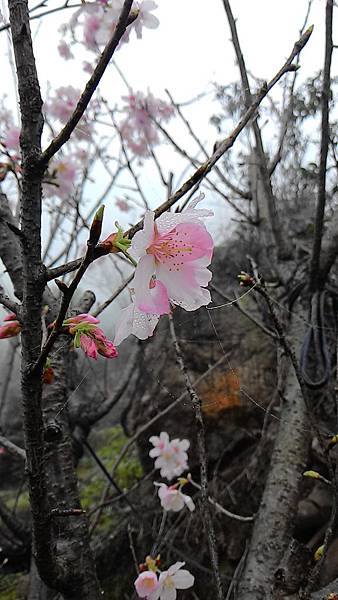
(196, 404)
(68, 292)
(267, 203)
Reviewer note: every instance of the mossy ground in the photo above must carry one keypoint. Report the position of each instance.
(8, 585)
(107, 443)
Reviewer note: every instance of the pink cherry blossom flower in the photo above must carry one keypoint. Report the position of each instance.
(173, 499)
(171, 580)
(89, 337)
(146, 583)
(160, 443)
(171, 456)
(11, 327)
(107, 26)
(175, 250)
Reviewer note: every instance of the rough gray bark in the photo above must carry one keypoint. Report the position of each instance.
(33, 282)
(70, 532)
(272, 532)
(61, 566)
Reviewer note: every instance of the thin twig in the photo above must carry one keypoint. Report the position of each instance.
(111, 298)
(197, 408)
(12, 448)
(235, 304)
(8, 303)
(221, 508)
(315, 278)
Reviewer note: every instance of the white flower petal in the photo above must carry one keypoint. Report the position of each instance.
(183, 580)
(144, 238)
(189, 502)
(125, 324)
(175, 567)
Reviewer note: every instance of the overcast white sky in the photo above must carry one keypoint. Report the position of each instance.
(190, 49)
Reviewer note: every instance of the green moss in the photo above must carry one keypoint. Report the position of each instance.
(9, 497)
(8, 584)
(108, 444)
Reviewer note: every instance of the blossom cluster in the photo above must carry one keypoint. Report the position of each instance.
(172, 460)
(164, 587)
(84, 329)
(171, 456)
(89, 337)
(173, 253)
(97, 22)
(61, 105)
(139, 130)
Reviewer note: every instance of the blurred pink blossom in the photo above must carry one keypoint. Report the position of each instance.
(99, 19)
(138, 129)
(62, 105)
(173, 499)
(171, 456)
(91, 26)
(87, 67)
(145, 18)
(64, 173)
(12, 138)
(146, 583)
(64, 50)
(122, 205)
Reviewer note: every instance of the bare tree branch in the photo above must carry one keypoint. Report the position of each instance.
(316, 278)
(267, 203)
(12, 448)
(197, 408)
(125, 19)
